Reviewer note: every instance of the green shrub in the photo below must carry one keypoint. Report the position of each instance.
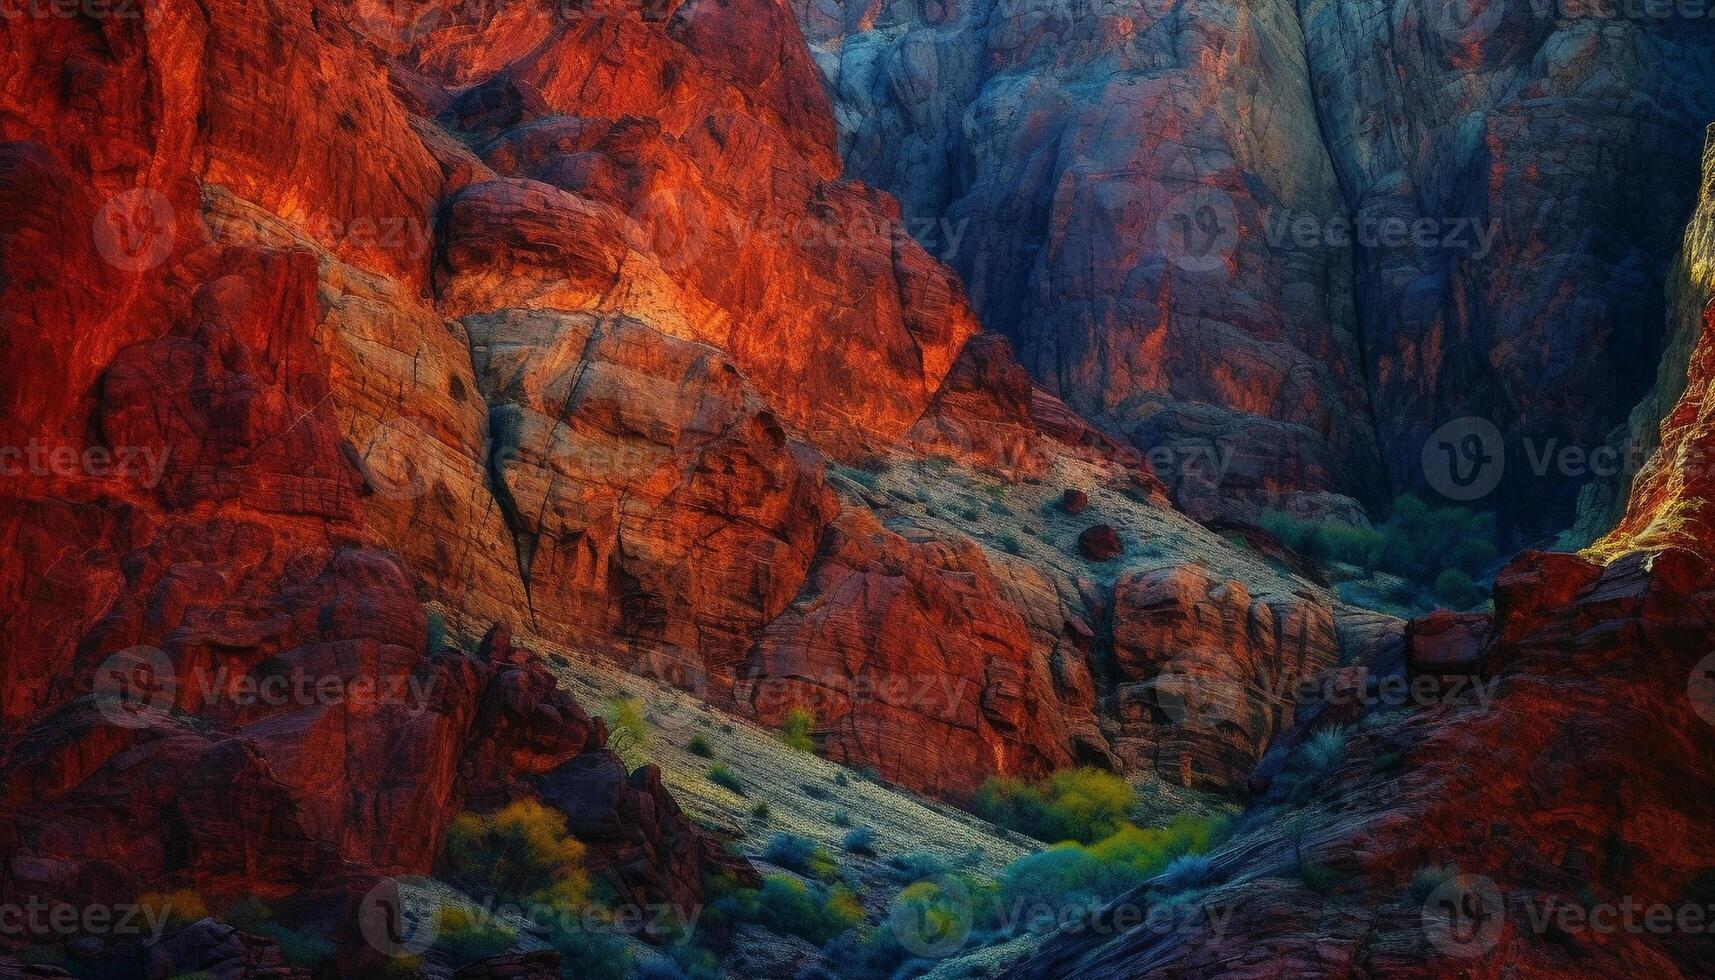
(796, 852)
(1418, 542)
(1099, 872)
(521, 852)
(247, 913)
(860, 840)
(1010, 544)
(842, 819)
(761, 811)
(699, 746)
(1322, 751)
(1456, 589)
(811, 912)
(464, 940)
(1185, 872)
(788, 906)
(627, 730)
(1082, 805)
(300, 948)
(795, 729)
(722, 775)
(590, 955)
(918, 864)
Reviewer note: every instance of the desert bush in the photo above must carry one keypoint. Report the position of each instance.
(590, 955)
(788, 906)
(463, 939)
(796, 852)
(520, 852)
(1323, 750)
(247, 913)
(860, 840)
(918, 864)
(1083, 805)
(699, 746)
(796, 727)
(1457, 590)
(627, 730)
(722, 775)
(1072, 873)
(1185, 872)
(1417, 542)
(300, 948)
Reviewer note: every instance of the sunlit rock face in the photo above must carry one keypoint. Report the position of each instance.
(1603, 504)
(1310, 236)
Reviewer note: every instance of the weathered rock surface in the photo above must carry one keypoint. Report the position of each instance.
(1301, 237)
(914, 661)
(1207, 674)
(1104, 178)
(1574, 779)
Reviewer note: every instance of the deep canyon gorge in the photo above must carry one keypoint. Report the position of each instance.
(1028, 488)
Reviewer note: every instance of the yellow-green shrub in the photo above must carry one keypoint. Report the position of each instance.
(522, 852)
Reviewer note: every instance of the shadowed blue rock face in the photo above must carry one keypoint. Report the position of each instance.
(1305, 237)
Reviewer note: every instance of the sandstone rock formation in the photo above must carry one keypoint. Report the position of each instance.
(1103, 178)
(1556, 763)
(1573, 781)
(1207, 674)
(1302, 238)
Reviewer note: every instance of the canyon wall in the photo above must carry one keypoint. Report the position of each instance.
(1310, 236)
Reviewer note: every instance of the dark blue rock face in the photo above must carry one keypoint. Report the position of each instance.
(1298, 239)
